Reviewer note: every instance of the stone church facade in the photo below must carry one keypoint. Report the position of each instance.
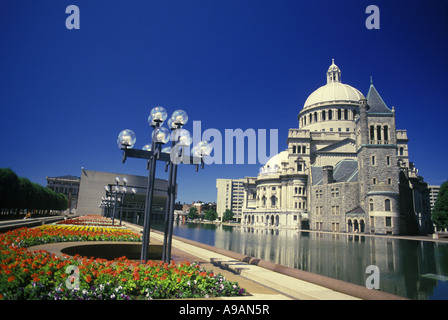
(346, 169)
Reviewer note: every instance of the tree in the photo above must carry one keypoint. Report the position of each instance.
(440, 212)
(193, 213)
(228, 215)
(9, 186)
(210, 214)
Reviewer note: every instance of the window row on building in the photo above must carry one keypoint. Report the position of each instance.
(328, 115)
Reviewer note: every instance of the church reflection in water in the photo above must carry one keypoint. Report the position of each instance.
(408, 268)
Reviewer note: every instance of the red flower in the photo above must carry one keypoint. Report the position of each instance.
(88, 279)
(11, 278)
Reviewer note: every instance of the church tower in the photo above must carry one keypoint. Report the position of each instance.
(377, 164)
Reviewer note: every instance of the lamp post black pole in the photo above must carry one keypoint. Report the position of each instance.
(149, 195)
(171, 214)
(167, 212)
(115, 203)
(121, 207)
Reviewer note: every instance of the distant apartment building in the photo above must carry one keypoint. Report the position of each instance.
(433, 193)
(230, 195)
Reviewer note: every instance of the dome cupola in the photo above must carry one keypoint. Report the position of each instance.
(335, 101)
(333, 73)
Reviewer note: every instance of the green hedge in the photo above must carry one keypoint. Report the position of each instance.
(17, 193)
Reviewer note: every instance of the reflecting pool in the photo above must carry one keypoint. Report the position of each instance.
(408, 268)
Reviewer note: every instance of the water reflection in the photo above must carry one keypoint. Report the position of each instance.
(408, 268)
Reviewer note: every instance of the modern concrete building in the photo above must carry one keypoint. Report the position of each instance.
(69, 186)
(346, 169)
(92, 191)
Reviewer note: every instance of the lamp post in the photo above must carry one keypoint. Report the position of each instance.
(107, 203)
(117, 180)
(160, 135)
(178, 119)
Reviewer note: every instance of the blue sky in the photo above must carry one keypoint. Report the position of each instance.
(66, 94)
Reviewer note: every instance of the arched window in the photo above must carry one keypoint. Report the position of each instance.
(371, 208)
(330, 114)
(273, 201)
(339, 114)
(372, 133)
(378, 132)
(311, 118)
(386, 133)
(315, 116)
(346, 114)
(303, 149)
(263, 200)
(296, 190)
(387, 205)
(294, 149)
(323, 115)
(401, 151)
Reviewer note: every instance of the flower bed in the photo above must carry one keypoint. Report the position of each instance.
(89, 220)
(42, 275)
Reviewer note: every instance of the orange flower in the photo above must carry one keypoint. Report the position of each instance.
(88, 279)
(11, 278)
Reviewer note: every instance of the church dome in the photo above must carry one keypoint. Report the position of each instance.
(275, 163)
(334, 92)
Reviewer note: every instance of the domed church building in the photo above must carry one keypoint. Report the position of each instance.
(346, 169)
